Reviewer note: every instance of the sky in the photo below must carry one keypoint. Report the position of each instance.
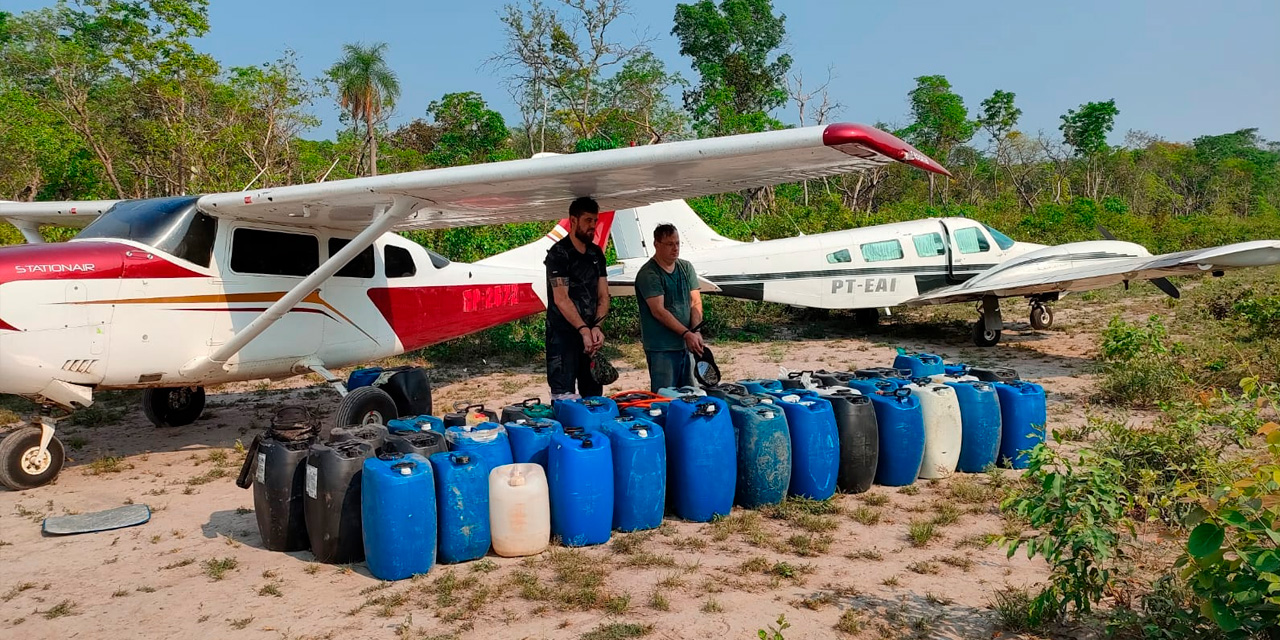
(1177, 69)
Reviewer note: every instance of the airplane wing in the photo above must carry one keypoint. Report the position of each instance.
(1080, 271)
(28, 216)
(542, 188)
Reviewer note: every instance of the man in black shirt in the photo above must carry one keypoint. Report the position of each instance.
(578, 288)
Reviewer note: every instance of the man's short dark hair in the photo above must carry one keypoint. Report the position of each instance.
(583, 205)
(663, 231)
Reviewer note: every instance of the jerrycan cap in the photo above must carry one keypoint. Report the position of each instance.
(460, 458)
(655, 412)
(516, 479)
(404, 468)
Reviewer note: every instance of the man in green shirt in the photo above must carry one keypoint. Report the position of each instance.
(670, 308)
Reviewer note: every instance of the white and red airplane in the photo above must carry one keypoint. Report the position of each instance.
(174, 294)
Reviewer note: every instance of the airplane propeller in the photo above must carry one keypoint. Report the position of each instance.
(1162, 284)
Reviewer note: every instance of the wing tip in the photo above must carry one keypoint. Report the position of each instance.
(850, 133)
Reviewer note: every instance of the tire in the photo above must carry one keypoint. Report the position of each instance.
(17, 455)
(866, 318)
(173, 406)
(984, 338)
(365, 405)
(1041, 317)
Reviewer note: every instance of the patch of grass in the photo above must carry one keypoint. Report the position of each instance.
(851, 622)
(646, 559)
(618, 605)
(240, 511)
(875, 499)
(630, 543)
(921, 532)
(208, 476)
(807, 546)
(64, 608)
(959, 562)
(618, 631)
(689, 543)
(311, 569)
(217, 568)
(787, 570)
(891, 581)
(756, 564)
(145, 589)
(271, 589)
(671, 581)
(975, 541)
(946, 514)
(1012, 606)
(659, 601)
(484, 566)
(240, 623)
(107, 464)
(711, 606)
(910, 490)
(865, 554)
(181, 563)
(923, 567)
(933, 598)
(865, 515)
(17, 589)
(120, 593)
(817, 601)
(748, 524)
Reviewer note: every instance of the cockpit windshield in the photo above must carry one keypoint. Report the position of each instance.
(172, 225)
(1004, 242)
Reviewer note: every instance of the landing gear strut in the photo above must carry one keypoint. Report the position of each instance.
(31, 456)
(1041, 315)
(986, 331)
(173, 406)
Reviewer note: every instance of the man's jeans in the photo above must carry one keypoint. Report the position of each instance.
(669, 369)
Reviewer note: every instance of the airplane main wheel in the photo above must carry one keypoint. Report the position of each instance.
(984, 337)
(365, 405)
(1041, 317)
(173, 406)
(866, 318)
(23, 465)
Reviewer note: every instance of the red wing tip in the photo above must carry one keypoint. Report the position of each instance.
(883, 143)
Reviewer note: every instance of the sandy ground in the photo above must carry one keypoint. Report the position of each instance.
(687, 580)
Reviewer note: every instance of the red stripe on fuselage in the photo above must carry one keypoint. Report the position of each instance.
(84, 261)
(421, 316)
(5, 326)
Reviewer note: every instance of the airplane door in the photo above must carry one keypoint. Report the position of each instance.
(969, 250)
(259, 266)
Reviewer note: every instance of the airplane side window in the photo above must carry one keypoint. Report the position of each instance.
(399, 262)
(881, 251)
(1002, 241)
(360, 266)
(839, 256)
(929, 245)
(971, 240)
(274, 253)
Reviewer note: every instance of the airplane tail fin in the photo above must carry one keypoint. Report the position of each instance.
(633, 230)
(530, 256)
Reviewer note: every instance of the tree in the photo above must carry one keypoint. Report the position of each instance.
(941, 119)
(640, 110)
(558, 62)
(802, 99)
(1086, 131)
(999, 119)
(730, 46)
(366, 86)
(467, 131)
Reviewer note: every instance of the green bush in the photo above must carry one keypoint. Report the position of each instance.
(1140, 365)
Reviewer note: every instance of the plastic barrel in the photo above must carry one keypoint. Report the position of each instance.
(980, 420)
(921, 365)
(761, 385)
(859, 438)
(374, 434)
(901, 437)
(416, 423)
(519, 509)
(815, 444)
(462, 502)
(834, 378)
(464, 413)
(487, 441)
(701, 458)
(423, 443)
(580, 474)
(363, 377)
(530, 439)
(798, 380)
(527, 409)
(763, 452)
(279, 485)
(398, 511)
(943, 432)
(639, 473)
(332, 503)
(994, 374)
(655, 413)
(586, 413)
(1023, 416)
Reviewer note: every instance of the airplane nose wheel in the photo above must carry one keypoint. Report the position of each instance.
(365, 406)
(1041, 316)
(173, 406)
(24, 465)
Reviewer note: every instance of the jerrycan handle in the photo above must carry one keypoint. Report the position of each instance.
(529, 402)
(902, 393)
(705, 409)
(922, 380)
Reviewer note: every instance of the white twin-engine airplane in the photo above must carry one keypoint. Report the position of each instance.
(173, 294)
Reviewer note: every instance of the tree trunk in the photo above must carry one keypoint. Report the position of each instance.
(373, 142)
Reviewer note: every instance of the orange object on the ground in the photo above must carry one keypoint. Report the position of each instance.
(637, 398)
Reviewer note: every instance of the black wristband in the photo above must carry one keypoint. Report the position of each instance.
(581, 327)
(686, 332)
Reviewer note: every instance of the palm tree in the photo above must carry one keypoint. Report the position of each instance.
(366, 85)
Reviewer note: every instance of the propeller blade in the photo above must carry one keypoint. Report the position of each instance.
(1105, 234)
(1164, 285)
